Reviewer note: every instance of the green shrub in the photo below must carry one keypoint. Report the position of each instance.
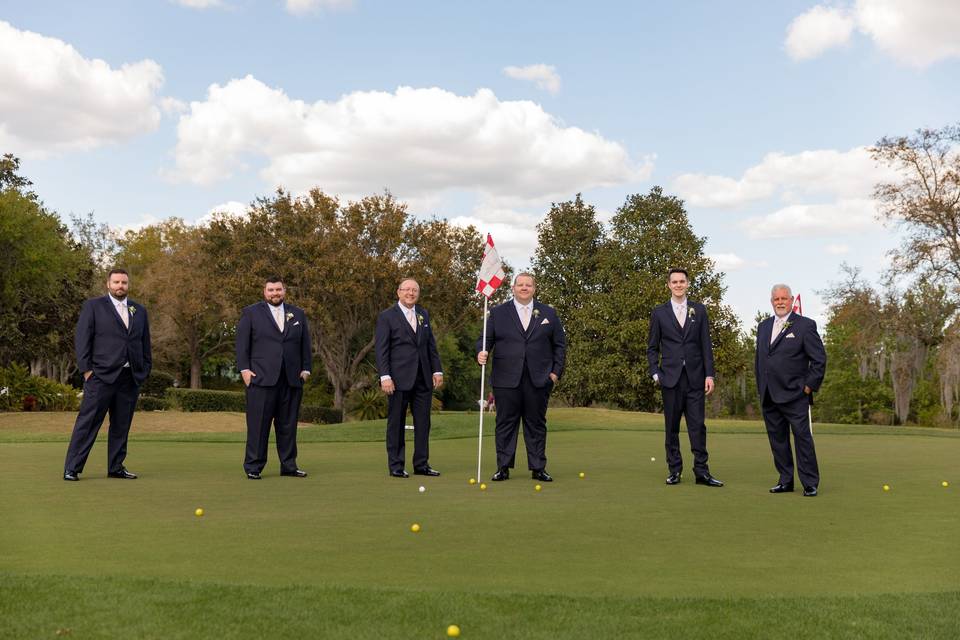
(206, 400)
(19, 390)
(156, 384)
(150, 403)
(367, 404)
(320, 415)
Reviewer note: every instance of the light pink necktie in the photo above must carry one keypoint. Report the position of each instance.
(681, 316)
(412, 320)
(125, 315)
(525, 318)
(278, 316)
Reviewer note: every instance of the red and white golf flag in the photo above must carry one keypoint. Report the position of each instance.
(797, 306)
(491, 270)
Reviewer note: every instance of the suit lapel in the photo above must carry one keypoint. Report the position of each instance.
(516, 317)
(108, 300)
(535, 320)
(403, 320)
(688, 320)
(269, 312)
(783, 331)
(416, 318)
(668, 309)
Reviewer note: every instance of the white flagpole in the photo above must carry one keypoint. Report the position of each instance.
(483, 370)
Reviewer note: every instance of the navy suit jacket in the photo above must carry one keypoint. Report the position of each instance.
(268, 352)
(401, 353)
(794, 360)
(542, 348)
(103, 344)
(671, 349)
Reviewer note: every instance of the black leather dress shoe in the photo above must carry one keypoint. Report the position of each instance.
(253, 475)
(426, 471)
(673, 478)
(810, 492)
(709, 480)
(542, 476)
(71, 476)
(399, 473)
(123, 473)
(782, 488)
(296, 473)
(502, 473)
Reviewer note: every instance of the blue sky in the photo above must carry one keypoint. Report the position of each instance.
(756, 113)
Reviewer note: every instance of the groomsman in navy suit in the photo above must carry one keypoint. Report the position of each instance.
(680, 355)
(409, 366)
(529, 352)
(274, 357)
(113, 354)
(790, 363)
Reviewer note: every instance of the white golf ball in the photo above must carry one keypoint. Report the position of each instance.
(653, 459)
(422, 488)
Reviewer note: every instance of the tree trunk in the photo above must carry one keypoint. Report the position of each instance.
(196, 366)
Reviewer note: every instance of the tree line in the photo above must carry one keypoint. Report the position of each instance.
(894, 355)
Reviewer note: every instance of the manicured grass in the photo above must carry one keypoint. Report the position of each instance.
(617, 553)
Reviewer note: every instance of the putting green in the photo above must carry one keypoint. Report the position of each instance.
(620, 532)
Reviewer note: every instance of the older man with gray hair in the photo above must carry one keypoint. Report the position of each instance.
(789, 364)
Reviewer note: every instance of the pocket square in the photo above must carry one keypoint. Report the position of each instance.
(790, 335)
(546, 321)
(296, 323)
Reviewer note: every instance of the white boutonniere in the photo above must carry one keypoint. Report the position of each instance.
(132, 309)
(419, 319)
(536, 313)
(691, 312)
(289, 316)
(786, 325)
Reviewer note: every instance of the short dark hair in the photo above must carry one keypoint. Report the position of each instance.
(272, 279)
(678, 270)
(117, 270)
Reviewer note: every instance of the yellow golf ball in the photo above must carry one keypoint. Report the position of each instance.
(537, 488)
(886, 487)
(483, 486)
(583, 475)
(415, 528)
(198, 512)
(944, 484)
(453, 631)
(473, 481)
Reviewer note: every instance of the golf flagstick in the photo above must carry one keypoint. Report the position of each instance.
(482, 402)
(491, 276)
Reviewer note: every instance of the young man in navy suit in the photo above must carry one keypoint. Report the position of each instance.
(680, 355)
(790, 363)
(113, 353)
(409, 367)
(529, 352)
(274, 357)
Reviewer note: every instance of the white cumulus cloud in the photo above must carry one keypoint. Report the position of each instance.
(817, 30)
(231, 209)
(914, 32)
(847, 174)
(55, 100)
(845, 216)
(732, 262)
(544, 76)
(415, 142)
(301, 7)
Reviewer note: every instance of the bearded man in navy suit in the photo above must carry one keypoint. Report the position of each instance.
(680, 356)
(790, 364)
(409, 367)
(274, 357)
(113, 354)
(529, 352)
